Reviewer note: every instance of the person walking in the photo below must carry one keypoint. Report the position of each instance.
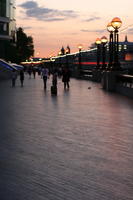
(45, 73)
(21, 77)
(34, 72)
(66, 78)
(54, 83)
(14, 77)
(29, 71)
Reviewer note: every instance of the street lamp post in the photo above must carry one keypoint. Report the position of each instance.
(111, 29)
(79, 66)
(51, 63)
(98, 43)
(116, 24)
(104, 41)
(66, 52)
(59, 54)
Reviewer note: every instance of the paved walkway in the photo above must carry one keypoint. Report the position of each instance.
(76, 146)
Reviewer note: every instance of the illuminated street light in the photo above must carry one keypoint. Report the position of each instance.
(104, 40)
(80, 46)
(98, 43)
(116, 24)
(59, 54)
(79, 66)
(110, 29)
(67, 51)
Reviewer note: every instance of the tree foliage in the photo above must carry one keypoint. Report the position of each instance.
(24, 46)
(22, 49)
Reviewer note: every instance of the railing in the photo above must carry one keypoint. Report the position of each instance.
(125, 80)
(86, 74)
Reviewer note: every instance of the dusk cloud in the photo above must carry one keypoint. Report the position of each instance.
(130, 30)
(93, 19)
(27, 27)
(92, 31)
(33, 10)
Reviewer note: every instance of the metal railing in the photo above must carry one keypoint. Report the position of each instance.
(86, 74)
(125, 80)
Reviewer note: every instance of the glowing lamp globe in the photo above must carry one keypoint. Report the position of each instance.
(67, 51)
(104, 40)
(110, 28)
(98, 41)
(59, 53)
(116, 23)
(80, 47)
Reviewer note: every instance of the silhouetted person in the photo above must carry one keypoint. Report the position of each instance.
(54, 82)
(14, 77)
(66, 77)
(45, 73)
(21, 77)
(34, 72)
(29, 71)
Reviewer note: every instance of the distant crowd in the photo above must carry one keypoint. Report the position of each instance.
(44, 73)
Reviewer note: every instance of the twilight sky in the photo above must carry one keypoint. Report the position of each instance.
(57, 23)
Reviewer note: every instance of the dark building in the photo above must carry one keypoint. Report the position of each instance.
(7, 25)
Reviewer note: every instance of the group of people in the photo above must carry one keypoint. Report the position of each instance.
(15, 75)
(64, 73)
(65, 77)
(31, 70)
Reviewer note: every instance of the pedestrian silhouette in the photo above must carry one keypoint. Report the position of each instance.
(54, 83)
(29, 71)
(14, 77)
(34, 72)
(21, 77)
(45, 73)
(66, 78)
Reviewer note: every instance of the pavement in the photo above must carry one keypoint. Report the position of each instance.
(77, 145)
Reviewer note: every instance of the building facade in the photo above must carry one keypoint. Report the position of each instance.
(7, 25)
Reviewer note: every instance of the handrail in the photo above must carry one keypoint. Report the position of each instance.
(125, 79)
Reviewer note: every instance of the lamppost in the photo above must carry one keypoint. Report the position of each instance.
(79, 66)
(111, 29)
(104, 40)
(66, 52)
(59, 54)
(116, 24)
(80, 46)
(50, 63)
(98, 43)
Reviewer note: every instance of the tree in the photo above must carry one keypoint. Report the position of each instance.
(24, 46)
(10, 51)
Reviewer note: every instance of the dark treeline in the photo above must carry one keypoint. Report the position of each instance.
(20, 49)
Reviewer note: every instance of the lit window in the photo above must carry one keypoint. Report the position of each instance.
(120, 47)
(125, 46)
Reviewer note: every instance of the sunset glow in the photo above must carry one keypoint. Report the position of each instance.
(54, 24)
